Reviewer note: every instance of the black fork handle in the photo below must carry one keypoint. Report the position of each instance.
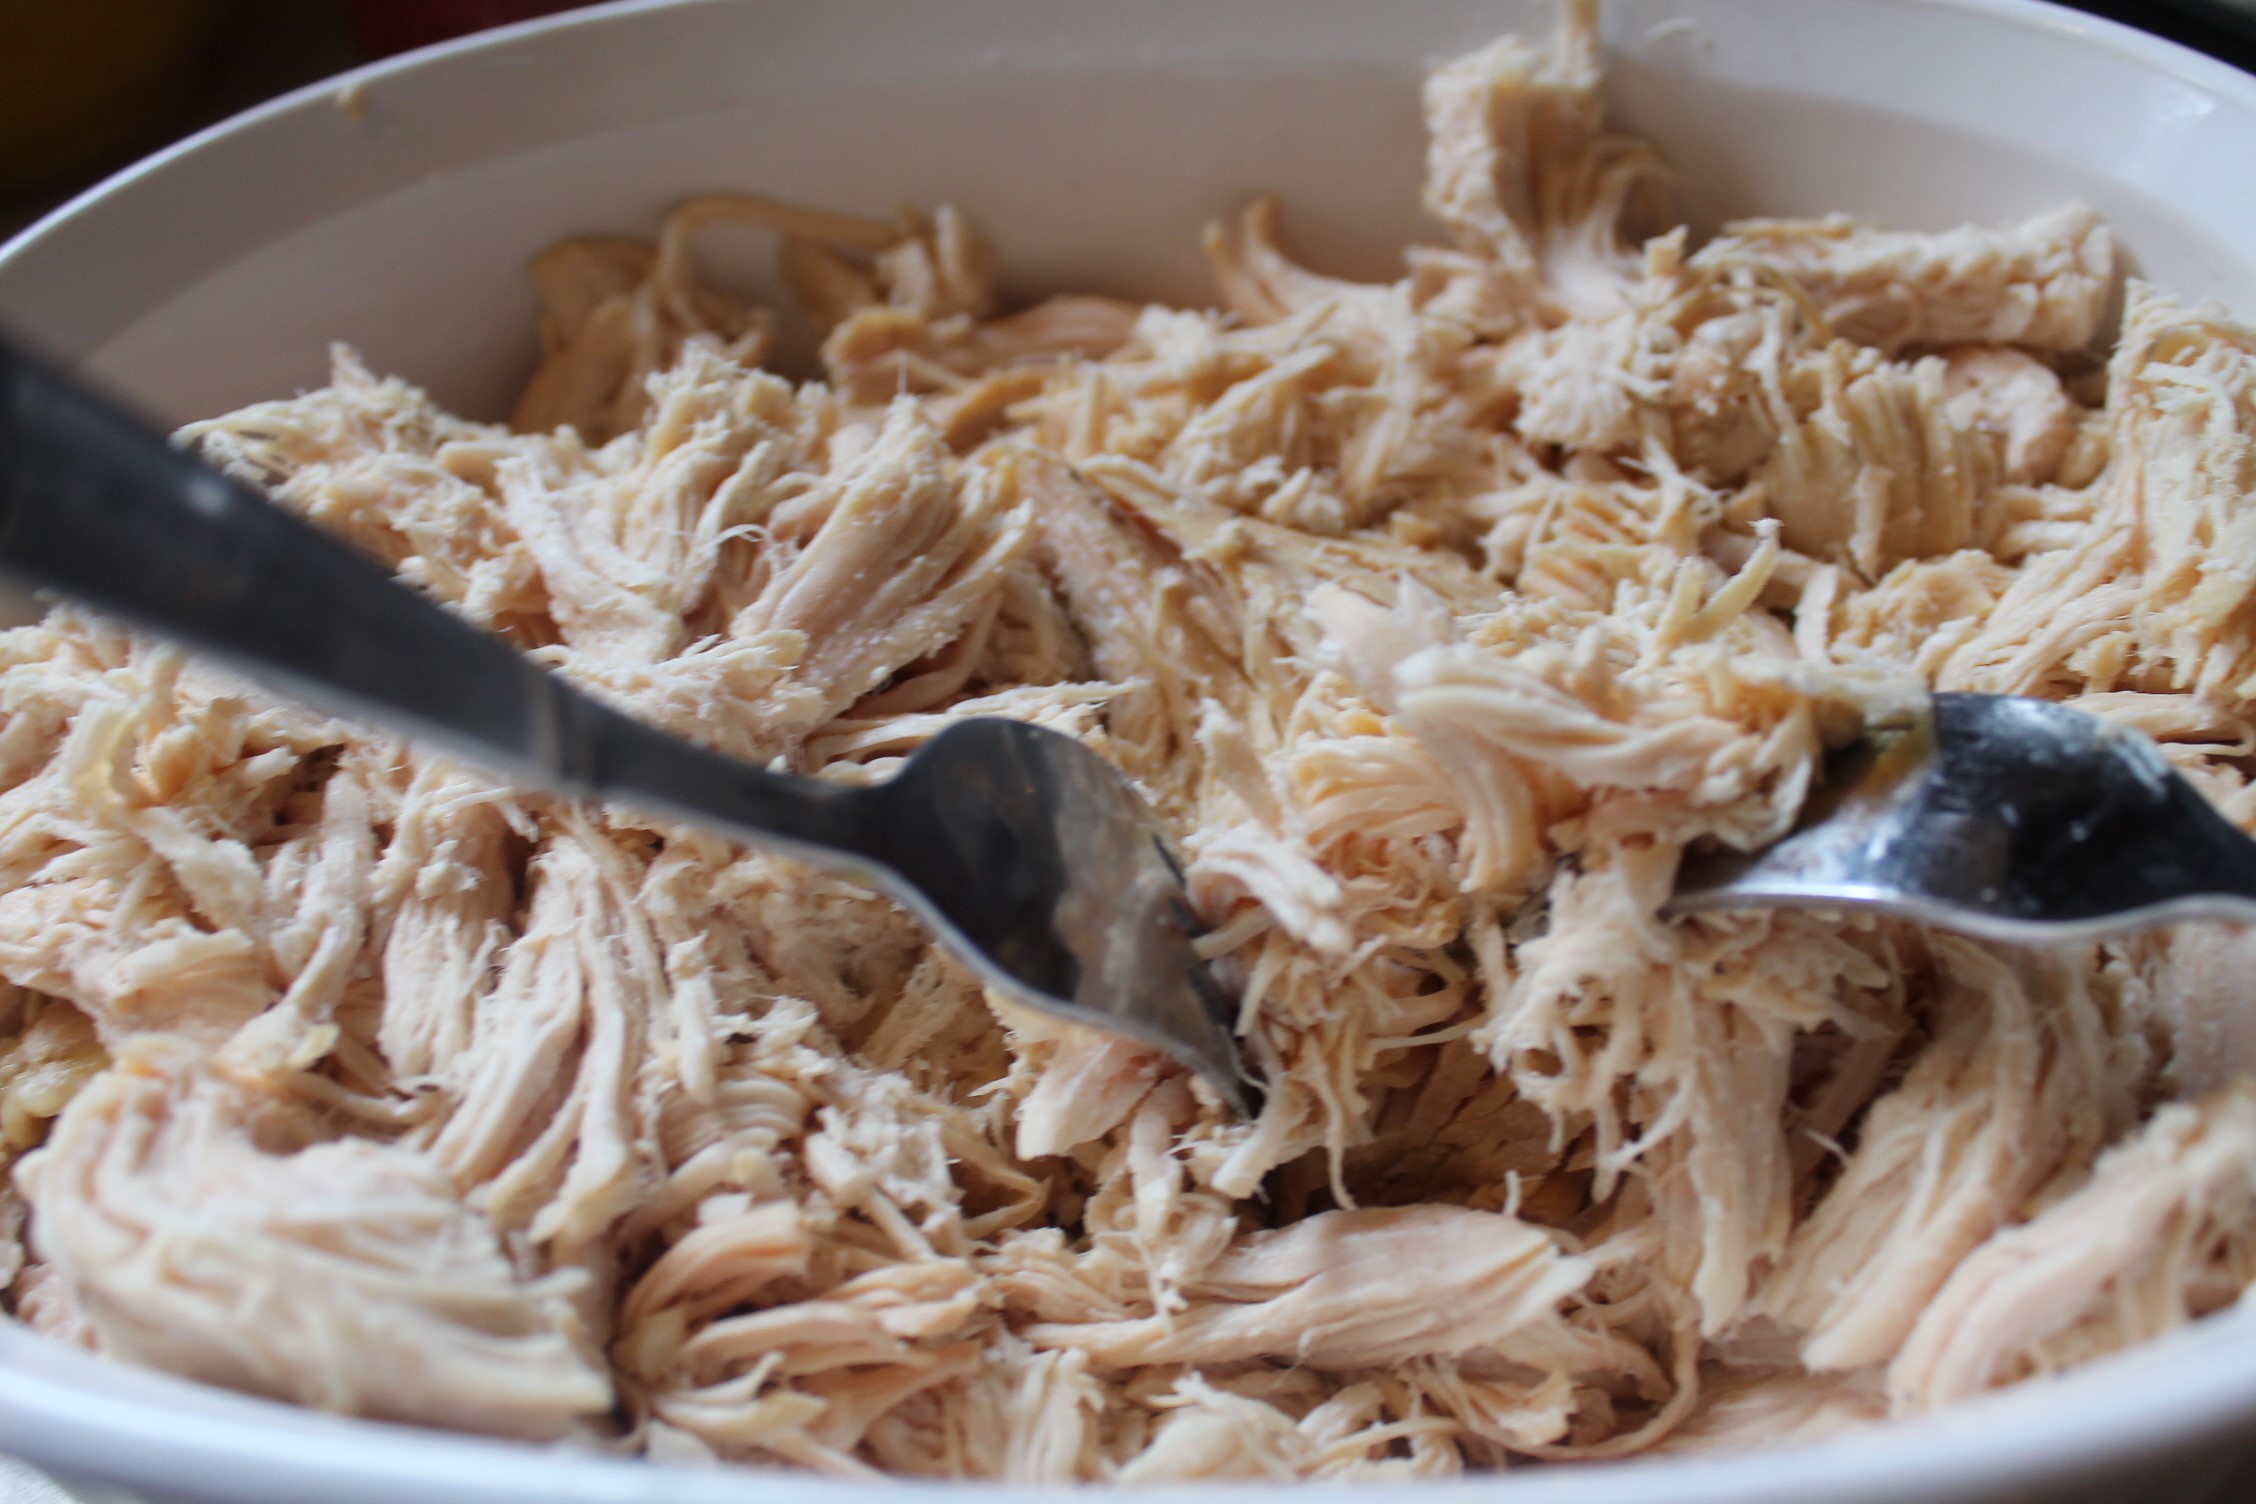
(97, 506)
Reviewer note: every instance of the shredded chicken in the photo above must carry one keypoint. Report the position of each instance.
(1436, 618)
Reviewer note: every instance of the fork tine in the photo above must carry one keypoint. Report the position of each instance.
(2005, 817)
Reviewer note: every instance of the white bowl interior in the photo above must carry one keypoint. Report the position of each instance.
(1092, 140)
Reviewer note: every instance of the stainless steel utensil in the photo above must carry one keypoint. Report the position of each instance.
(2008, 818)
(1028, 854)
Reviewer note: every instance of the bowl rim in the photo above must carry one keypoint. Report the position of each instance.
(2171, 59)
(2193, 1386)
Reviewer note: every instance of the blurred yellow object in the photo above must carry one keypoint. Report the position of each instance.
(82, 79)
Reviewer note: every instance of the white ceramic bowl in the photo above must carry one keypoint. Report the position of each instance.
(395, 209)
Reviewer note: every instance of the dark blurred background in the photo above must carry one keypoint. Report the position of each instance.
(87, 86)
(2221, 28)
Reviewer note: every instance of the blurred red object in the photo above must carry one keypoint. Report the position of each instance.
(383, 27)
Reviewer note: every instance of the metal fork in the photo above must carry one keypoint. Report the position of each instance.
(1027, 854)
(2007, 818)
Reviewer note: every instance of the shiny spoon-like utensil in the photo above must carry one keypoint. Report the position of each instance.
(2001, 817)
(1026, 853)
